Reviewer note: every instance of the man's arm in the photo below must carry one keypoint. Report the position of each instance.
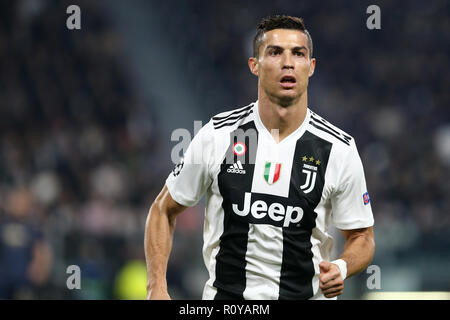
(159, 230)
(358, 250)
(358, 253)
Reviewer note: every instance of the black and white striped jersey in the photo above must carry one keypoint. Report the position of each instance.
(270, 205)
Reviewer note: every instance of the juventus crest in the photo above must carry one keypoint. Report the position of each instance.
(310, 170)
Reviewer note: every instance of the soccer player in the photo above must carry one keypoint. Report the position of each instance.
(276, 176)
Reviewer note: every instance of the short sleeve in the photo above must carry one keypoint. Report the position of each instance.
(191, 177)
(351, 208)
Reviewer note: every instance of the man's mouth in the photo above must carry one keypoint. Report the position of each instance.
(288, 82)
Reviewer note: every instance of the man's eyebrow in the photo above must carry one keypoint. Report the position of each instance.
(271, 46)
(298, 48)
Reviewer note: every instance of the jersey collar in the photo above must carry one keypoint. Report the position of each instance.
(294, 135)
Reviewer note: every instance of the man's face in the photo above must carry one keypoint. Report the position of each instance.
(283, 65)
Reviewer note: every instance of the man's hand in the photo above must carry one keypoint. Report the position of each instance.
(330, 280)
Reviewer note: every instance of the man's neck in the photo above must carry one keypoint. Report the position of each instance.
(285, 119)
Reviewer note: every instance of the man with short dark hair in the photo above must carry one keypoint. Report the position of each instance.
(276, 176)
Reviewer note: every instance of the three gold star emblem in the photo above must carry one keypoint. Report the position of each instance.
(311, 159)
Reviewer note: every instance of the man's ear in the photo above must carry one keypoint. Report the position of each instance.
(312, 67)
(253, 65)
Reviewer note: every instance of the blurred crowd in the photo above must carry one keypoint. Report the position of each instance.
(78, 153)
(80, 149)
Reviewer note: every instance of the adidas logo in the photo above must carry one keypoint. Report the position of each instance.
(236, 168)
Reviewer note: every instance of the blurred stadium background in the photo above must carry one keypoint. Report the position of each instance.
(86, 118)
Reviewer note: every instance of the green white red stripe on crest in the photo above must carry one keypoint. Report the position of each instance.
(272, 172)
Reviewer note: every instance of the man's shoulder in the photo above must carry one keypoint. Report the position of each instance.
(218, 129)
(232, 119)
(328, 131)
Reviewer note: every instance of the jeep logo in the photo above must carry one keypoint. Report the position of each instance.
(275, 211)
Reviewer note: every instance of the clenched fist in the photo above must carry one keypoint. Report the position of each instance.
(330, 279)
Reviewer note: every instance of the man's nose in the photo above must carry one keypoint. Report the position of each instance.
(288, 62)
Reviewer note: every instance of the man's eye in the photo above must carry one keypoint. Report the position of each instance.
(274, 53)
(299, 53)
